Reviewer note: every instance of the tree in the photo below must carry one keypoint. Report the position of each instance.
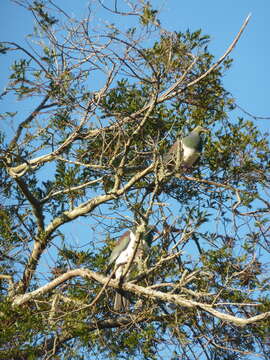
(108, 102)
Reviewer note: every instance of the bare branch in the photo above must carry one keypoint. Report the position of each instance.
(116, 11)
(141, 291)
(255, 117)
(18, 47)
(223, 57)
(36, 204)
(69, 190)
(171, 93)
(26, 122)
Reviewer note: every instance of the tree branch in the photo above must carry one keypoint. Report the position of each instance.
(67, 216)
(141, 291)
(36, 204)
(23, 124)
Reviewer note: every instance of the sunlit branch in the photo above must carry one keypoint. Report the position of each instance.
(71, 189)
(141, 291)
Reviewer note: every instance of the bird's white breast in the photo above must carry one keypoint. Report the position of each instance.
(125, 255)
(188, 153)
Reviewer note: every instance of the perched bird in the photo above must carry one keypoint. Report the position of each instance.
(120, 256)
(185, 152)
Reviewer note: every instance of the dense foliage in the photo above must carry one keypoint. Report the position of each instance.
(86, 163)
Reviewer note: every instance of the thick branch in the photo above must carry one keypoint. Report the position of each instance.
(67, 216)
(36, 204)
(141, 291)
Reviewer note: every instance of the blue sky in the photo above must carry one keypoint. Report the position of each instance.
(248, 79)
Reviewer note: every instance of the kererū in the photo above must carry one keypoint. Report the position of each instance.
(185, 152)
(120, 256)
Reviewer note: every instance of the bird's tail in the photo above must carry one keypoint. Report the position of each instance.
(121, 303)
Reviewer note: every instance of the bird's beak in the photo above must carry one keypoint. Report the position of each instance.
(205, 130)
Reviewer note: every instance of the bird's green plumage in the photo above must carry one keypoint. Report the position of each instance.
(193, 140)
(190, 147)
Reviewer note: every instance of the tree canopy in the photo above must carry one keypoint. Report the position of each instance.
(97, 107)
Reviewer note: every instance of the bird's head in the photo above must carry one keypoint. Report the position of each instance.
(149, 234)
(199, 129)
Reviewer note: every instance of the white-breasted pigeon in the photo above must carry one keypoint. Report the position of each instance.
(121, 254)
(185, 152)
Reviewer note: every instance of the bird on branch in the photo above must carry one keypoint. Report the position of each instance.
(120, 256)
(185, 152)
